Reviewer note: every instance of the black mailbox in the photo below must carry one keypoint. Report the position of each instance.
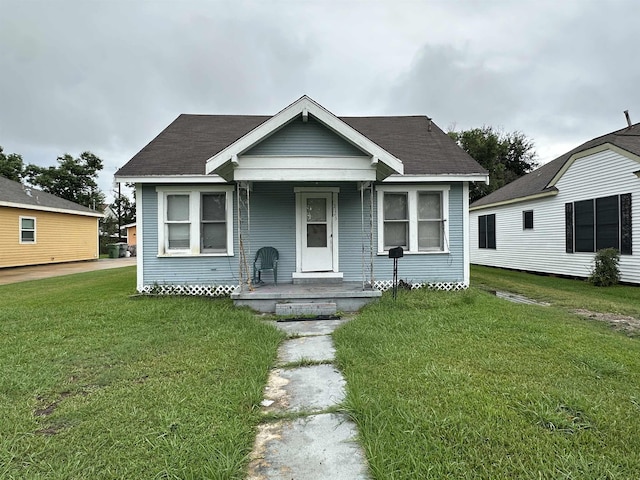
(396, 252)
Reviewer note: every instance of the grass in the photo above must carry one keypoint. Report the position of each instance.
(466, 385)
(95, 384)
(568, 293)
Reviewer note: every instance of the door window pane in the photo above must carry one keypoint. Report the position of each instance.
(316, 209)
(177, 208)
(316, 235)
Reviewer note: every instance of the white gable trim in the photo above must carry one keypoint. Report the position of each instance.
(591, 151)
(303, 106)
(155, 179)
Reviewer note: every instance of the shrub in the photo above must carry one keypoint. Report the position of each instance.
(606, 271)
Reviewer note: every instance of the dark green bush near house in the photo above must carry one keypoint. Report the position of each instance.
(606, 271)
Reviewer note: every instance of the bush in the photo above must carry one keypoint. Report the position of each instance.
(606, 271)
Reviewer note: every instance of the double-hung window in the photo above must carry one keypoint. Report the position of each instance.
(195, 221)
(413, 218)
(598, 223)
(27, 230)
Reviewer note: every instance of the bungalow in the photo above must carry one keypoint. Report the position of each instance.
(555, 218)
(39, 228)
(331, 194)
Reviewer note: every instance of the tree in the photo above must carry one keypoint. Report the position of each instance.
(11, 166)
(506, 156)
(74, 179)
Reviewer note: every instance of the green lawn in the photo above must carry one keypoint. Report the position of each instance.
(572, 294)
(469, 386)
(95, 384)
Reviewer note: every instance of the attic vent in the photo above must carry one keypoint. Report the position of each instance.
(28, 192)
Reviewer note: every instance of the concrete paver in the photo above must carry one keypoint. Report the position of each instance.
(305, 389)
(310, 327)
(316, 348)
(318, 447)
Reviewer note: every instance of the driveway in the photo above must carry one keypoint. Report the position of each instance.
(36, 272)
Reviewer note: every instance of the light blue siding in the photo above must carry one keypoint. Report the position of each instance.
(303, 139)
(273, 223)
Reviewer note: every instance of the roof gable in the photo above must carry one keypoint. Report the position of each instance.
(224, 161)
(305, 138)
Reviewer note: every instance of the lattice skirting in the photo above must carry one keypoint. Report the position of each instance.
(384, 285)
(204, 290)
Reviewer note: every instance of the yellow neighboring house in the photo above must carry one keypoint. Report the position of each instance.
(38, 228)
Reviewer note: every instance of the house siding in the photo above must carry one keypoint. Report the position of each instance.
(273, 223)
(60, 237)
(543, 248)
(304, 139)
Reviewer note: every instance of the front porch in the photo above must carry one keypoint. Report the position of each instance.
(312, 298)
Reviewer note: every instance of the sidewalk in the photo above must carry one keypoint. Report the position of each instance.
(311, 441)
(37, 272)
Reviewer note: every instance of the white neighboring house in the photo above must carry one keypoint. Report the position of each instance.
(555, 218)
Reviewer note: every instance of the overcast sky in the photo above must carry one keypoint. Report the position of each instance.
(108, 76)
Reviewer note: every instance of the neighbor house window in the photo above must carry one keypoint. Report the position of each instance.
(527, 220)
(413, 218)
(195, 222)
(27, 230)
(594, 224)
(487, 231)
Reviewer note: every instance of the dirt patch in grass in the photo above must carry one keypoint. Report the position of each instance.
(624, 323)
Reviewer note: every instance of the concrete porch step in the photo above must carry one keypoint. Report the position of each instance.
(306, 308)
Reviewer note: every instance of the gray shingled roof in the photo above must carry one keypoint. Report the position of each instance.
(190, 140)
(537, 181)
(14, 192)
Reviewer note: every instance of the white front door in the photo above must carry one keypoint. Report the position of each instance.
(316, 225)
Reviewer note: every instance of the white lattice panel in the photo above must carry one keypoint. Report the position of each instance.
(193, 290)
(385, 285)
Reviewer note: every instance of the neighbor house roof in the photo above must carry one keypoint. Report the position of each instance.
(184, 147)
(542, 180)
(16, 195)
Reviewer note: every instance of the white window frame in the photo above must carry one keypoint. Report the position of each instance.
(195, 196)
(20, 230)
(412, 197)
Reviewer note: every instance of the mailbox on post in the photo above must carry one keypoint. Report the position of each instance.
(395, 253)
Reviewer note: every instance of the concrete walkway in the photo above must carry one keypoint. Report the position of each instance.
(37, 272)
(309, 442)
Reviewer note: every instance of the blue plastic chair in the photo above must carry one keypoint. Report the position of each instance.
(267, 257)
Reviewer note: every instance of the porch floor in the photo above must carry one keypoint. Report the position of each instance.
(348, 296)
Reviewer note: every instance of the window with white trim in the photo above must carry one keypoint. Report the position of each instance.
(412, 217)
(195, 221)
(27, 230)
